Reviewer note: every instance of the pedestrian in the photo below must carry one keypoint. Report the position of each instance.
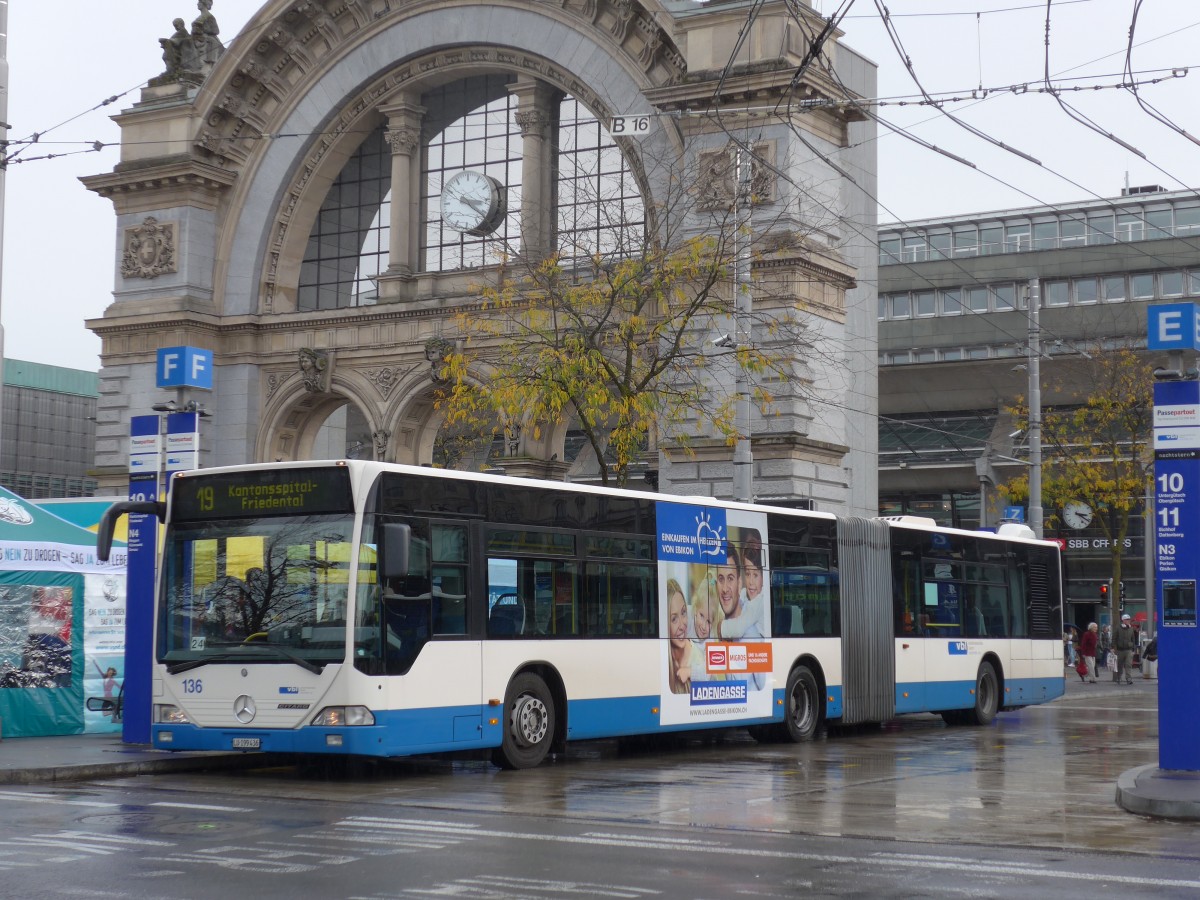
(1124, 642)
(1105, 649)
(1087, 649)
(1150, 658)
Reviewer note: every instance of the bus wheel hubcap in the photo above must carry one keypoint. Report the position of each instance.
(530, 720)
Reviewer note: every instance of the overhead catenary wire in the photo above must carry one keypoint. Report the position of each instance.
(970, 278)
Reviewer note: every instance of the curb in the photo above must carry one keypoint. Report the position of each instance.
(1139, 791)
(94, 771)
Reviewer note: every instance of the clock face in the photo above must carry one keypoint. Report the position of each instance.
(1077, 515)
(472, 202)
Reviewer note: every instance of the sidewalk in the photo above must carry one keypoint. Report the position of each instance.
(1146, 790)
(79, 757)
(1105, 686)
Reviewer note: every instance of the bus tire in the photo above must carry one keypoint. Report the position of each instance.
(987, 696)
(528, 724)
(802, 706)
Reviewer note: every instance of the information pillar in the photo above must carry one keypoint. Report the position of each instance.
(145, 460)
(1177, 553)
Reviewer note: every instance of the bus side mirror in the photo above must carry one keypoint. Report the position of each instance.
(397, 538)
(108, 521)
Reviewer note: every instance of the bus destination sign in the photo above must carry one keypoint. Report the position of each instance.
(230, 495)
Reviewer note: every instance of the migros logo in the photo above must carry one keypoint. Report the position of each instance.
(737, 658)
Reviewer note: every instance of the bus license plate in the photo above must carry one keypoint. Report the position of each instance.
(247, 743)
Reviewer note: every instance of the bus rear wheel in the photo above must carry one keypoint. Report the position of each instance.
(802, 706)
(528, 724)
(987, 696)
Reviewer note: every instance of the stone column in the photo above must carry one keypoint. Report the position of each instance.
(403, 136)
(536, 101)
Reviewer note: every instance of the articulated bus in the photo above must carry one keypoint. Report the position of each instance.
(352, 607)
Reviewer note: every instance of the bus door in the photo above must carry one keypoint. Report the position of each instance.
(428, 624)
(912, 618)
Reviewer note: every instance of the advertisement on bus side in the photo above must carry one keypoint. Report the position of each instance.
(714, 587)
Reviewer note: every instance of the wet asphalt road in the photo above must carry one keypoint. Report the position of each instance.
(1024, 808)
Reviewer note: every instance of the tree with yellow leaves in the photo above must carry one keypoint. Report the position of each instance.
(619, 342)
(1098, 446)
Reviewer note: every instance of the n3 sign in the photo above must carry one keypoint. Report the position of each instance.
(184, 367)
(624, 126)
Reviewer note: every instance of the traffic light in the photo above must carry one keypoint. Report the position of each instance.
(1122, 592)
(1104, 592)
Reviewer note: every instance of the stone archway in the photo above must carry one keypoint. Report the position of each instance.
(294, 417)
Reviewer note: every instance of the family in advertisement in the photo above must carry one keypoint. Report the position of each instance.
(714, 588)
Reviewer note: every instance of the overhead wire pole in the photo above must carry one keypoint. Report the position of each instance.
(743, 456)
(1035, 408)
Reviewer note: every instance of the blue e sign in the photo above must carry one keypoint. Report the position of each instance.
(1173, 326)
(184, 367)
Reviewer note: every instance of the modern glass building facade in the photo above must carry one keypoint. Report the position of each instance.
(47, 430)
(953, 341)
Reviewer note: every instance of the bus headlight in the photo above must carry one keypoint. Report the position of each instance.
(337, 716)
(167, 714)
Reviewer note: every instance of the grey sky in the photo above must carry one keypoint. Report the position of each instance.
(67, 56)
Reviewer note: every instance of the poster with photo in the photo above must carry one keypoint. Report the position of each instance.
(103, 646)
(714, 608)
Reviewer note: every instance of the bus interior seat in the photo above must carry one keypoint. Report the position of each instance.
(507, 619)
(564, 620)
(788, 620)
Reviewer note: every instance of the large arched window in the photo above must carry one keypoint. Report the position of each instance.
(470, 125)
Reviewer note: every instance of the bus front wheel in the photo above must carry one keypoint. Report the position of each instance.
(802, 711)
(528, 724)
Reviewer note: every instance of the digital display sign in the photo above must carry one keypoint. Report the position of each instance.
(1179, 603)
(262, 492)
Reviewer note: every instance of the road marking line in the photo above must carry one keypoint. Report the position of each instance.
(205, 807)
(50, 798)
(655, 843)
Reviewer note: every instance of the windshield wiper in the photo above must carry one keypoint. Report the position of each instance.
(288, 654)
(240, 656)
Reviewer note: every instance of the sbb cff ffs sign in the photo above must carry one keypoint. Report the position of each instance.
(178, 367)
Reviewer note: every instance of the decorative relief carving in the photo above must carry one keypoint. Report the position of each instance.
(437, 350)
(715, 180)
(533, 122)
(149, 250)
(385, 380)
(380, 441)
(717, 176)
(316, 368)
(623, 10)
(403, 139)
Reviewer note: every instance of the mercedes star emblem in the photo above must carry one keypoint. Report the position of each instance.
(244, 709)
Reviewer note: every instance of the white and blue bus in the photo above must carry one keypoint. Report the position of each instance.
(364, 608)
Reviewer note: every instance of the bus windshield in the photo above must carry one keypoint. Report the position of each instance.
(269, 589)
